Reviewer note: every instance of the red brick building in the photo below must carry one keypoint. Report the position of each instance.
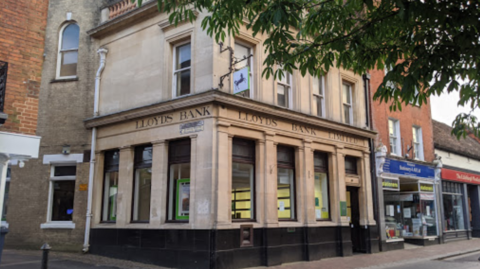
(407, 118)
(22, 24)
(408, 207)
(22, 27)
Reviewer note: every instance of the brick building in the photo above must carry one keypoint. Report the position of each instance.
(22, 24)
(47, 195)
(405, 168)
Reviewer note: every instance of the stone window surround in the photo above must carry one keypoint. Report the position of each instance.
(55, 160)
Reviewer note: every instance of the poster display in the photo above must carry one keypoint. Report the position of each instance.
(407, 213)
(183, 199)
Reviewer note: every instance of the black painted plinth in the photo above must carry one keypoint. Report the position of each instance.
(455, 236)
(389, 246)
(423, 242)
(475, 232)
(220, 249)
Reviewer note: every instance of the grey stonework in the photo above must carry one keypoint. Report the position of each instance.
(63, 106)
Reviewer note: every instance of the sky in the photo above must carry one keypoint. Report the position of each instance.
(444, 108)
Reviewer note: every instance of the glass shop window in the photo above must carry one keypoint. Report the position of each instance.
(110, 186)
(453, 206)
(179, 180)
(286, 183)
(243, 179)
(322, 205)
(142, 184)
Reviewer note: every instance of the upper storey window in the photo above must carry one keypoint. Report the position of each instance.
(394, 135)
(319, 95)
(182, 69)
(68, 51)
(347, 103)
(284, 90)
(244, 53)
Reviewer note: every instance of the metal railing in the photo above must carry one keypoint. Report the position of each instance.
(3, 83)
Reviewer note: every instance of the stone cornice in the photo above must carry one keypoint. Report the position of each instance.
(215, 96)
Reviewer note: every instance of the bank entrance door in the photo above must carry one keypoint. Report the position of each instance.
(353, 213)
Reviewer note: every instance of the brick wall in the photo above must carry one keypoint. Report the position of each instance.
(22, 28)
(409, 116)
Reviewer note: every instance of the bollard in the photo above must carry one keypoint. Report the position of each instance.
(45, 249)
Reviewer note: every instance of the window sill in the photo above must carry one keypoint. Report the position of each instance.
(58, 225)
(57, 80)
(5, 224)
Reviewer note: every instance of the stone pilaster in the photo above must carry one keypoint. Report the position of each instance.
(125, 186)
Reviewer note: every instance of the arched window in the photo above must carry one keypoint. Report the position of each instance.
(68, 51)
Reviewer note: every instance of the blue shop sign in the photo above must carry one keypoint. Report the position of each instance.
(408, 169)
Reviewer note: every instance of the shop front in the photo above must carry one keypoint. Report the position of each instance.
(410, 207)
(461, 206)
(220, 181)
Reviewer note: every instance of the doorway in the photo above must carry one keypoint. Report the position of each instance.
(353, 213)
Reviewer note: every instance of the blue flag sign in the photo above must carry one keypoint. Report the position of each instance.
(408, 169)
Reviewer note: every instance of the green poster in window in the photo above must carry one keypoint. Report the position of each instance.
(113, 202)
(343, 208)
(182, 203)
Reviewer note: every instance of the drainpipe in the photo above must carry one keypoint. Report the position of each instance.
(103, 54)
(371, 145)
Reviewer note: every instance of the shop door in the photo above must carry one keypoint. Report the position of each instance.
(353, 212)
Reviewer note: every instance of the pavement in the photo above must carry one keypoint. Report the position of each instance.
(459, 255)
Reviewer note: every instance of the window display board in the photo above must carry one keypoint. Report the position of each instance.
(183, 199)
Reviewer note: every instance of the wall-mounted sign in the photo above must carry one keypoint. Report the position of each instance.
(158, 120)
(408, 169)
(426, 187)
(391, 184)
(460, 176)
(83, 187)
(241, 80)
(343, 138)
(191, 127)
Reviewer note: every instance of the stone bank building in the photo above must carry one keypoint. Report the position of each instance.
(191, 169)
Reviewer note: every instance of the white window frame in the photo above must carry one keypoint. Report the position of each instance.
(288, 86)
(397, 136)
(174, 71)
(321, 95)
(418, 102)
(57, 224)
(350, 92)
(417, 146)
(250, 63)
(60, 51)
